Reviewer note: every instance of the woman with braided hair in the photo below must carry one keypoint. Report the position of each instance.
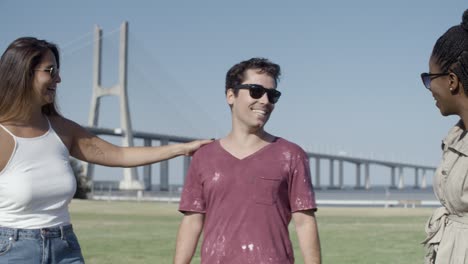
(447, 228)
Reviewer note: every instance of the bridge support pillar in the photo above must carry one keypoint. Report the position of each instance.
(317, 174)
(340, 174)
(423, 180)
(332, 174)
(164, 171)
(187, 160)
(401, 182)
(147, 169)
(393, 179)
(416, 178)
(358, 176)
(367, 177)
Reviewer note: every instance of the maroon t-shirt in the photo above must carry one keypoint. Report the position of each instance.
(248, 202)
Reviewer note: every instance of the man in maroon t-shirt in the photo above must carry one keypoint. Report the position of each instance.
(244, 189)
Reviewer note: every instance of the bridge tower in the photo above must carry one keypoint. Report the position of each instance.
(130, 176)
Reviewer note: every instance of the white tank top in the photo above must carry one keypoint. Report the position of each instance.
(37, 184)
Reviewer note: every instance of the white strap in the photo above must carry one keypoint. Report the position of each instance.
(8, 131)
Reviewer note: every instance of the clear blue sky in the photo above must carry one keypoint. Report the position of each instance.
(350, 68)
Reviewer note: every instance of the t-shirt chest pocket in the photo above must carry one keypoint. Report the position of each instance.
(266, 189)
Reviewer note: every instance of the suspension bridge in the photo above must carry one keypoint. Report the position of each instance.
(360, 171)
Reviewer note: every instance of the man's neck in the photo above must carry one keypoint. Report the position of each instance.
(242, 145)
(248, 136)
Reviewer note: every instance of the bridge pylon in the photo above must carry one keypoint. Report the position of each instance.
(130, 175)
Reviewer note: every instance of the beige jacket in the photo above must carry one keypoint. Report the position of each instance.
(447, 228)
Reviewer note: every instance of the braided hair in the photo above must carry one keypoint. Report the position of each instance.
(451, 51)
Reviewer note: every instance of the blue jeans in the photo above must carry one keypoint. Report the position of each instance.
(40, 246)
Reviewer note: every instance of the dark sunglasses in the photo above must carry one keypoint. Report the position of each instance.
(427, 77)
(53, 71)
(257, 91)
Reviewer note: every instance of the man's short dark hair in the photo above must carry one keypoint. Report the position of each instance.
(236, 74)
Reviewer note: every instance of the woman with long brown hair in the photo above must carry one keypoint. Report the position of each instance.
(36, 180)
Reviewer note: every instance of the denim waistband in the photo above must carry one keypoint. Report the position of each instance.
(16, 233)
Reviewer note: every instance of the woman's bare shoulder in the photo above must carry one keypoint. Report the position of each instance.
(7, 145)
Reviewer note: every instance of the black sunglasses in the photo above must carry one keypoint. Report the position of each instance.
(257, 91)
(427, 77)
(53, 71)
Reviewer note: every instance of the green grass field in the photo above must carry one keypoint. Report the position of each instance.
(132, 232)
